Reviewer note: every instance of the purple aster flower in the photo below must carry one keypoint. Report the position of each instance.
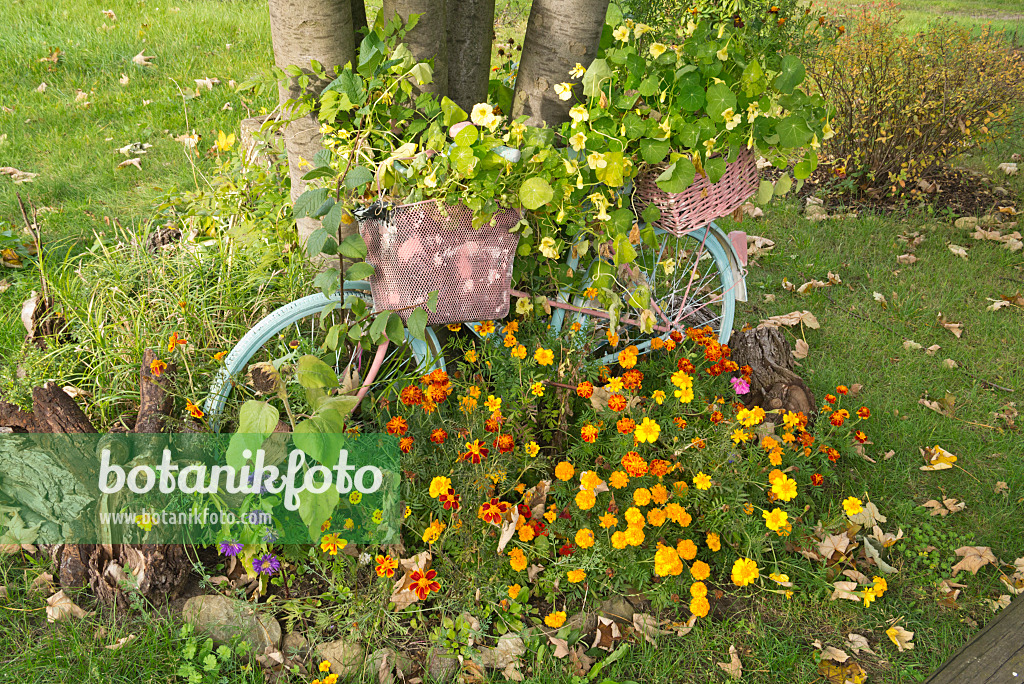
(270, 536)
(266, 564)
(230, 547)
(740, 385)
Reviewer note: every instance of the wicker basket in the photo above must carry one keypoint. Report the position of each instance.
(702, 202)
(418, 248)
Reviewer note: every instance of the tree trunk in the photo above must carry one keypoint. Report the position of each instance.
(358, 19)
(773, 384)
(470, 35)
(559, 34)
(428, 39)
(304, 30)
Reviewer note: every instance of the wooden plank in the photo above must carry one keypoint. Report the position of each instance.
(995, 655)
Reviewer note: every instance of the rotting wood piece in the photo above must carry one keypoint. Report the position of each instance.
(773, 383)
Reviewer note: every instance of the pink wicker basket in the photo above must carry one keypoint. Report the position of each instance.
(702, 202)
(418, 248)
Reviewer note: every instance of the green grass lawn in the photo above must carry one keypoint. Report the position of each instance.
(73, 148)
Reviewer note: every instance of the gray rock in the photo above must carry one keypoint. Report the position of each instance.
(442, 664)
(617, 608)
(294, 644)
(227, 619)
(346, 656)
(1000, 191)
(966, 223)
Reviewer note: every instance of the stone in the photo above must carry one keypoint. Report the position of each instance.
(384, 663)
(1000, 191)
(966, 223)
(617, 608)
(226, 620)
(345, 655)
(585, 622)
(442, 664)
(294, 644)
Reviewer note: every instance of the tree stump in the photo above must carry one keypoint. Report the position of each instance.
(773, 384)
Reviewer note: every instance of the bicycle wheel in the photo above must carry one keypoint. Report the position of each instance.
(691, 283)
(300, 320)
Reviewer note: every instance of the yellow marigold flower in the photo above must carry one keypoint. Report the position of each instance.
(618, 479)
(576, 576)
(659, 494)
(869, 596)
(647, 431)
(880, 586)
(555, 620)
(608, 520)
(775, 519)
(658, 396)
(589, 479)
(666, 562)
(744, 572)
(585, 499)
(526, 533)
(564, 471)
(852, 505)
(634, 516)
(471, 356)
(635, 536)
(584, 538)
(433, 533)
(517, 559)
(785, 488)
(485, 327)
(513, 591)
(544, 357)
(493, 403)
(619, 540)
(702, 481)
(698, 588)
(550, 516)
(467, 404)
(740, 436)
(678, 514)
(686, 549)
(780, 578)
(775, 456)
(699, 606)
(714, 542)
(532, 448)
(642, 496)
(615, 385)
(519, 352)
(700, 570)
(656, 517)
(537, 389)
(439, 485)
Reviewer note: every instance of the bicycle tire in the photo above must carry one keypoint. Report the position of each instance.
(712, 240)
(236, 360)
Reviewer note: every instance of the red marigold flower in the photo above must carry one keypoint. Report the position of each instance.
(831, 398)
(411, 395)
(540, 528)
(833, 454)
(717, 417)
(839, 417)
(423, 583)
(685, 365)
(524, 511)
(817, 479)
(626, 425)
(436, 377)
(679, 421)
(842, 389)
(617, 402)
(438, 393)
(567, 549)
(860, 436)
(588, 433)
(475, 452)
(729, 365)
(715, 369)
(450, 500)
(806, 439)
(492, 511)
(493, 424)
(634, 464)
(438, 436)
(504, 443)
(405, 444)
(386, 566)
(157, 367)
(659, 467)
(585, 389)
(676, 336)
(632, 379)
(566, 514)
(864, 412)
(747, 371)
(397, 426)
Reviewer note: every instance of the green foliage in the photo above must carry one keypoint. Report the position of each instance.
(201, 662)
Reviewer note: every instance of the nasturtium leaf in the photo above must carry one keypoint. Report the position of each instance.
(793, 131)
(677, 177)
(688, 135)
(783, 185)
(648, 86)
(806, 167)
(467, 136)
(535, 192)
(257, 417)
(453, 113)
(464, 159)
(422, 72)
(765, 190)
(651, 213)
(432, 301)
(690, 98)
(654, 151)
(719, 99)
(752, 79)
(790, 75)
(597, 73)
(624, 251)
(611, 174)
(715, 169)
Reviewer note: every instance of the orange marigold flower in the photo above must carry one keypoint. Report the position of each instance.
(411, 395)
(618, 479)
(666, 562)
(585, 389)
(157, 367)
(842, 389)
(504, 444)
(864, 412)
(576, 576)
(386, 566)
(475, 452)
(173, 341)
(590, 479)
(564, 471)
(714, 542)
(659, 494)
(423, 583)
(585, 499)
(641, 496)
(830, 398)
(632, 379)
(405, 444)
(700, 606)
(619, 539)
(700, 570)
(493, 510)
(717, 417)
(628, 356)
(656, 517)
(698, 443)
(193, 410)
(517, 559)
(584, 538)
(686, 549)
(617, 402)
(860, 436)
(634, 464)
(588, 433)
(397, 426)
(625, 425)
(555, 620)
(438, 436)
(839, 417)
(659, 467)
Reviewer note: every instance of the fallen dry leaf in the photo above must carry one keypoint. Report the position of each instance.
(858, 643)
(973, 558)
(649, 626)
(61, 607)
(733, 668)
(123, 80)
(791, 319)
(997, 305)
(136, 162)
(958, 250)
(561, 646)
(911, 345)
(508, 530)
(207, 83)
(1002, 602)
(801, 349)
(880, 298)
(844, 590)
(1009, 168)
(109, 14)
(833, 544)
(982, 234)
(143, 60)
(831, 652)
(944, 507)
(849, 672)
(607, 634)
(906, 258)
(903, 639)
(757, 244)
(120, 643)
(1002, 488)
(955, 328)
(937, 458)
(17, 176)
(869, 515)
(42, 584)
(930, 351)
(41, 88)
(3, 592)
(401, 593)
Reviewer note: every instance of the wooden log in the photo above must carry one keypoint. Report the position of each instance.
(12, 416)
(773, 384)
(995, 655)
(154, 402)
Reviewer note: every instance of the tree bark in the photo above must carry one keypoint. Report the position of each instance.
(773, 384)
(470, 36)
(304, 30)
(428, 39)
(358, 19)
(559, 34)
(154, 402)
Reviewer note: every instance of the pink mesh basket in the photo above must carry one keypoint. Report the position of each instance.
(702, 202)
(416, 249)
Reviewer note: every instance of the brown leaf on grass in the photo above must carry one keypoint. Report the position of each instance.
(757, 245)
(607, 633)
(833, 544)
(857, 576)
(801, 349)
(973, 558)
(17, 176)
(649, 626)
(683, 628)
(120, 643)
(930, 351)
(508, 529)
(561, 646)
(536, 498)
(844, 590)
(880, 298)
(1002, 488)
(943, 406)
(937, 458)
(944, 507)
(955, 328)
(810, 285)
(599, 399)
(137, 163)
(849, 672)
(42, 584)
(831, 652)
(858, 643)
(950, 364)
(906, 258)
(1002, 602)
(791, 319)
(903, 639)
(401, 594)
(869, 515)
(997, 304)
(143, 60)
(533, 571)
(888, 454)
(3, 592)
(581, 662)
(911, 345)
(61, 607)
(124, 80)
(982, 234)
(958, 250)
(733, 668)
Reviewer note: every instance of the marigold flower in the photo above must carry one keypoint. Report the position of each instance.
(439, 485)
(157, 367)
(625, 425)
(615, 385)
(584, 538)
(423, 583)
(585, 499)
(433, 532)
(332, 543)
(325, 666)
(617, 402)
(513, 591)
(585, 389)
(518, 352)
(193, 410)
(532, 448)
(405, 444)
(666, 562)
(564, 471)
(510, 340)
(744, 572)
(517, 559)
(504, 444)
(589, 479)
(438, 436)
(864, 412)
(659, 493)
(635, 536)
(647, 431)
(386, 566)
(619, 540)
(589, 433)
(173, 341)
(492, 511)
(411, 395)
(471, 356)
(699, 606)
(555, 620)
(450, 500)
(634, 464)
(484, 328)
(608, 520)
(628, 356)
(714, 542)
(817, 479)
(880, 586)
(544, 357)
(702, 481)
(852, 505)
(775, 519)
(397, 426)
(686, 549)
(784, 488)
(656, 517)
(475, 452)
(699, 570)
(576, 576)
